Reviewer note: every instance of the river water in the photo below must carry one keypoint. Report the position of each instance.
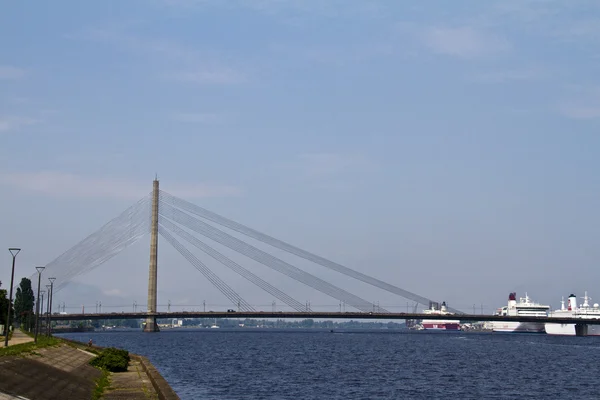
(294, 364)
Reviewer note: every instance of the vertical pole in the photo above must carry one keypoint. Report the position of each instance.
(37, 307)
(41, 310)
(47, 310)
(14, 253)
(50, 302)
(151, 325)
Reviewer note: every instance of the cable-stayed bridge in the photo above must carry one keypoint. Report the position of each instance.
(178, 221)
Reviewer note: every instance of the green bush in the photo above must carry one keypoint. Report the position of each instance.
(111, 359)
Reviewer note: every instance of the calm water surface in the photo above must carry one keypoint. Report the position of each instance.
(292, 364)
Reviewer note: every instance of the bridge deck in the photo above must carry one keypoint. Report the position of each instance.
(322, 315)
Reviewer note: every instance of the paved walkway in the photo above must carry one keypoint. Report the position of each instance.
(131, 385)
(18, 337)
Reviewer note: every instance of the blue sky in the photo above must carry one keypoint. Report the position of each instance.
(451, 148)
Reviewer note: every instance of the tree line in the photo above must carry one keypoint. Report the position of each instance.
(22, 311)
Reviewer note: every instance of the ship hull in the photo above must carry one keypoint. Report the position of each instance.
(518, 327)
(569, 329)
(441, 325)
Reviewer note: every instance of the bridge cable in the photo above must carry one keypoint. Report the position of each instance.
(208, 274)
(218, 219)
(100, 246)
(233, 266)
(276, 264)
(265, 258)
(106, 243)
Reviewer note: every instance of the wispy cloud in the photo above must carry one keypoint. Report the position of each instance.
(195, 117)
(565, 21)
(62, 184)
(209, 76)
(508, 75)
(328, 165)
(335, 54)
(151, 46)
(580, 111)
(12, 122)
(464, 42)
(112, 292)
(290, 10)
(9, 72)
(184, 63)
(585, 28)
(581, 103)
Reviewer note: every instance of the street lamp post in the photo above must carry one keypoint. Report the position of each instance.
(37, 308)
(13, 251)
(41, 310)
(50, 307)
(47, 308)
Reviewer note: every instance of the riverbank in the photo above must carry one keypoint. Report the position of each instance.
(141, 371)
(59, 369)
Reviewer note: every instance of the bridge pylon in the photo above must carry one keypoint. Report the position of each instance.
(151, 325)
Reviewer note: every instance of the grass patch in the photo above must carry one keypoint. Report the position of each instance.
(30, 347)
(30, 334)
(80, 345)
(112, 359)
(102, 383)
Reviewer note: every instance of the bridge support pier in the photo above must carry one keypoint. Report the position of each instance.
(581, 329)
(151, 325)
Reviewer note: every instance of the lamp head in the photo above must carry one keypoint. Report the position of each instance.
(40, 269)
(51, 280)
(14, 251)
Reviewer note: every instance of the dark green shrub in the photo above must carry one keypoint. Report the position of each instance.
(117, 352)
(111, 359)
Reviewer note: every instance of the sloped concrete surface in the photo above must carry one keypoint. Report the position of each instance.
(63, 372)
(51, 373)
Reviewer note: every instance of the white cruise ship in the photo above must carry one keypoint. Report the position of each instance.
(437, 324)
(525, 307)
(585, 311)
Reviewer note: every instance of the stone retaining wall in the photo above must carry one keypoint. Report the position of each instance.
(162, 387)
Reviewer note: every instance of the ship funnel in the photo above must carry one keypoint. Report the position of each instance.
(572, 305)
(443, 306)
(512, 300)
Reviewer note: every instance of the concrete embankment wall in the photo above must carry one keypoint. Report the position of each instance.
(162, 387)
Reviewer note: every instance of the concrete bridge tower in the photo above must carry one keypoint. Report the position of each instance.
(151, 325)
